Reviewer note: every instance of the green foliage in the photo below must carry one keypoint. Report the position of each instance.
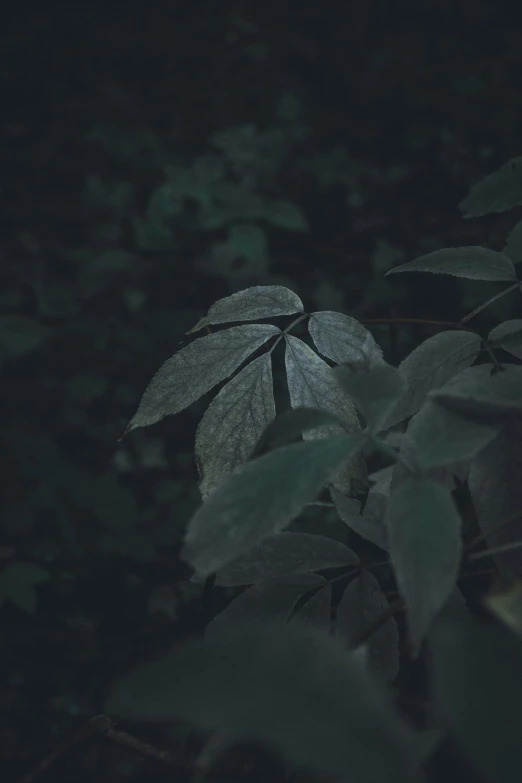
(299, 692)
(231, 186)
(450, 410)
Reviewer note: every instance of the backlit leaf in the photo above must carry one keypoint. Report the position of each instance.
(234, 421)
(343, 339)
(260, 301)
(196, 369)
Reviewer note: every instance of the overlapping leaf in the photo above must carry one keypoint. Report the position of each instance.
(369, 525)
(260, 301)
(496, 490)
(492, 397)
(508, 335)
(374, 392)
(196, 369)
(442, 437)
(284, 554)
(234, 421)
(363, 604)
(291, 688)
(343, 339)
(289, 424)
(424, 529)
(261, 499)
(268, 600)
(430, 365)
(312, 384)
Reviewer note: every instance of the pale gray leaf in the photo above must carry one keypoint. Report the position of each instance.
(312, 384)
(474, 263)
(267, 601)
(374, 392)
(233, 422)
(342, 339)
(260, 301)
(196, 369)
(442, 437)
(261, 499)
(368, 525)
(431, 364)
(362, 604)
(508, 335)
(283, 554)
(498, 192)
(424, 529)
(352, 733)
(496, 489)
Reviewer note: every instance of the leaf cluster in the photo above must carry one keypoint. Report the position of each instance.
(268, 668)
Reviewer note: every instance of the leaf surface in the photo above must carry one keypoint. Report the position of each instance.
(293, 689)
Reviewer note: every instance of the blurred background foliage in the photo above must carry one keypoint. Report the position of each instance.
(156, 157)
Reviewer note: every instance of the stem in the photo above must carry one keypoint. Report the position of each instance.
(494, 529)
(490, 301)
(285, 331)
(421, 321)
(497, 550)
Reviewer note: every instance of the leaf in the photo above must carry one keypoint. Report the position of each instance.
(496, 491)
(284, 214)
(375, 392)
(284, 554)
(196, 369)
(478, 684)
(267, 601)
(233, 422)
(316, 611)
(425, 547)
(369, 525)
(442, 437)
(508, 335)
(342, 339)
(17, 582)
(506, 605)
(313, 703)
(260, 301)
(498, 192)
(312, 384)
(513, 246)
(292, 423)
(361, 605)
(474, 263)
(430, 365)
(492, 397)
(261, 499)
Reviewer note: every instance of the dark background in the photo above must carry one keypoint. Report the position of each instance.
(381, 116)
